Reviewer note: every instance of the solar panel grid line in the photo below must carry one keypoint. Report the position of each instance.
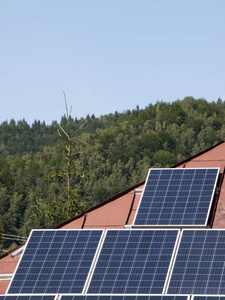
(201, 260)
(192, 182)
(145, 264)
(95, 259)
(176, 198)
(194, 275)
(133, 263)
(51, 272)
(133, 266)
(167, 185)
(186, 203)
(34, 255)
(184, 272)
(210, 264)
(99, 244)
(79, 262)
(86, 289)
(172, 257)
(94, 255)
(178, 190)
(157, 264)
(142, 196)
(48, 248)
(122, 258)
(213, 258)
(51, 244)
(223, 272)
(118, 271)
(200, 189)
(106, 265)
(166, 190)
(175, 257)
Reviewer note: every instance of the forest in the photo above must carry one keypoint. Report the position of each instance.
(109, 154)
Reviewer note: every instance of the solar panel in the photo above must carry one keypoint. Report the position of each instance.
(124, 297)
(177, 197)
(56, 261)
(133, 262)
(200, 263)
(25, 297)
(209, 298)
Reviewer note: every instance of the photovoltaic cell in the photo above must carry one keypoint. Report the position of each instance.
(200, 263)
(177, 197)
(55, 261)
(133, 262)
(124, 297)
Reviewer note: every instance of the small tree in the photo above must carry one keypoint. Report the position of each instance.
(56, 212)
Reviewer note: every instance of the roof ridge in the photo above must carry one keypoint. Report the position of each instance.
(196, 155)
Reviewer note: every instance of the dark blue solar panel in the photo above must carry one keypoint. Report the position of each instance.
(133, 262)
(177, 197)
(123, 297)
(23, 297)
(209, 298)
(200, 263)
(56, 261)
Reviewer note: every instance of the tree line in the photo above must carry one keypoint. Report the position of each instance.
(116, 152)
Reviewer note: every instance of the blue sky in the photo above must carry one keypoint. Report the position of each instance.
(107, 55)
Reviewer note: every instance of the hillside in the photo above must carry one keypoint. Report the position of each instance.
(121, 148)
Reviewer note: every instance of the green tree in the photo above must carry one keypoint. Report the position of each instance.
(60, 210)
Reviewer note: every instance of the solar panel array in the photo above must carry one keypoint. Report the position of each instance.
(96, 297)
(209, 298)
(136, 264)
(200, 263)
(124, 297)
(177, 197)
(56, 261)
(25, 297)
(133, 262)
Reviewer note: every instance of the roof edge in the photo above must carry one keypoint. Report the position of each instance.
(83, 213)
(196, 155)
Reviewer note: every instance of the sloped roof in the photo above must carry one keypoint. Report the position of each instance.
(119, 210)
(115, 212)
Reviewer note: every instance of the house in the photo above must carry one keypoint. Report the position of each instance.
(118, 212)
